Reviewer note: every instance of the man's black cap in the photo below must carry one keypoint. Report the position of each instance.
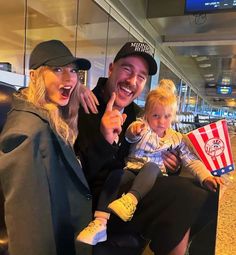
(55, 53)
(141, 49)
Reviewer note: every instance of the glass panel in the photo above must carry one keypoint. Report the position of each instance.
(117, 36)
(166, 73)
(192, 101)
(183, 92)
(187, 96)
(142, 98)
(12, 32)
(199, 105)
(206, 108)
(46, 20)
(92, 33)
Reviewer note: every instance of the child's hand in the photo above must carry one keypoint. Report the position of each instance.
(138, 128)
(211, 182)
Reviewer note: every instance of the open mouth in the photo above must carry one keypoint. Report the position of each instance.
(125, 90)
(65, 91)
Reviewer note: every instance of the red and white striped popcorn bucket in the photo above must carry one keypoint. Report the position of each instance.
(212, 144)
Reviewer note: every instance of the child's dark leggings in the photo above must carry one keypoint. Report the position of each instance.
(143, 181)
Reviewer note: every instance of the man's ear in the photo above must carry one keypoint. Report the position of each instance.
(110, 68)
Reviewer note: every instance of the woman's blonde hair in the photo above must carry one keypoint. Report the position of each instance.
(62, 119)
(163, 95)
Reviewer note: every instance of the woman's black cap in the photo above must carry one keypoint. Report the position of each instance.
(55, 53)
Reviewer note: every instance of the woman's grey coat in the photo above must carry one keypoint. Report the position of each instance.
(47, 198)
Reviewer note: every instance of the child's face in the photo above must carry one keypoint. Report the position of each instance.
(159, 118)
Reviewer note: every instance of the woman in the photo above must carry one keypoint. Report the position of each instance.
(47, 198)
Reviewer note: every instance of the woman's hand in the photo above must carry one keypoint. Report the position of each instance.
(88, 100)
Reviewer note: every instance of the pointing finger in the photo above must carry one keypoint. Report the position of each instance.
(111, 102)
(140, 128)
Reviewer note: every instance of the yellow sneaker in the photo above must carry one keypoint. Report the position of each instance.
(123, 207)
(94, 233)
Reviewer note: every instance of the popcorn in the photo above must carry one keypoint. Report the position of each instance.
(212, 144)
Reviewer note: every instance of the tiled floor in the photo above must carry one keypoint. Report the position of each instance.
(226, 225)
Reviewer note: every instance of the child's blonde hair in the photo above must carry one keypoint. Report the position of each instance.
(168, 85)
(163, 95)
(63, 119)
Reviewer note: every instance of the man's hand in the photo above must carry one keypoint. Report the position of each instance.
(88, 100)
(171, 160)
(111, 122)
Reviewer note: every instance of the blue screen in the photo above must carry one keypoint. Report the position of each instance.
(224, 90)
(204, 6)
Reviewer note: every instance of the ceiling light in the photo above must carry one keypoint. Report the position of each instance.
(208, 75)
(211, 85)
(204, 65)
(225, 81)
(210, 79)
(202, 58)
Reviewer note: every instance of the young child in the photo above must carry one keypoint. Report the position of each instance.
(149, 137)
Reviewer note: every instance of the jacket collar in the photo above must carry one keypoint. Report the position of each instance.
(19, 104)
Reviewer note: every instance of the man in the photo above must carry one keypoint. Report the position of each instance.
(167, 212)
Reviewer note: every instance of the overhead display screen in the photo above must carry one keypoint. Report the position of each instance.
(207, 6)
(224, 90)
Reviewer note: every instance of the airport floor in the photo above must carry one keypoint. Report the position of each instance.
(226, 223)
